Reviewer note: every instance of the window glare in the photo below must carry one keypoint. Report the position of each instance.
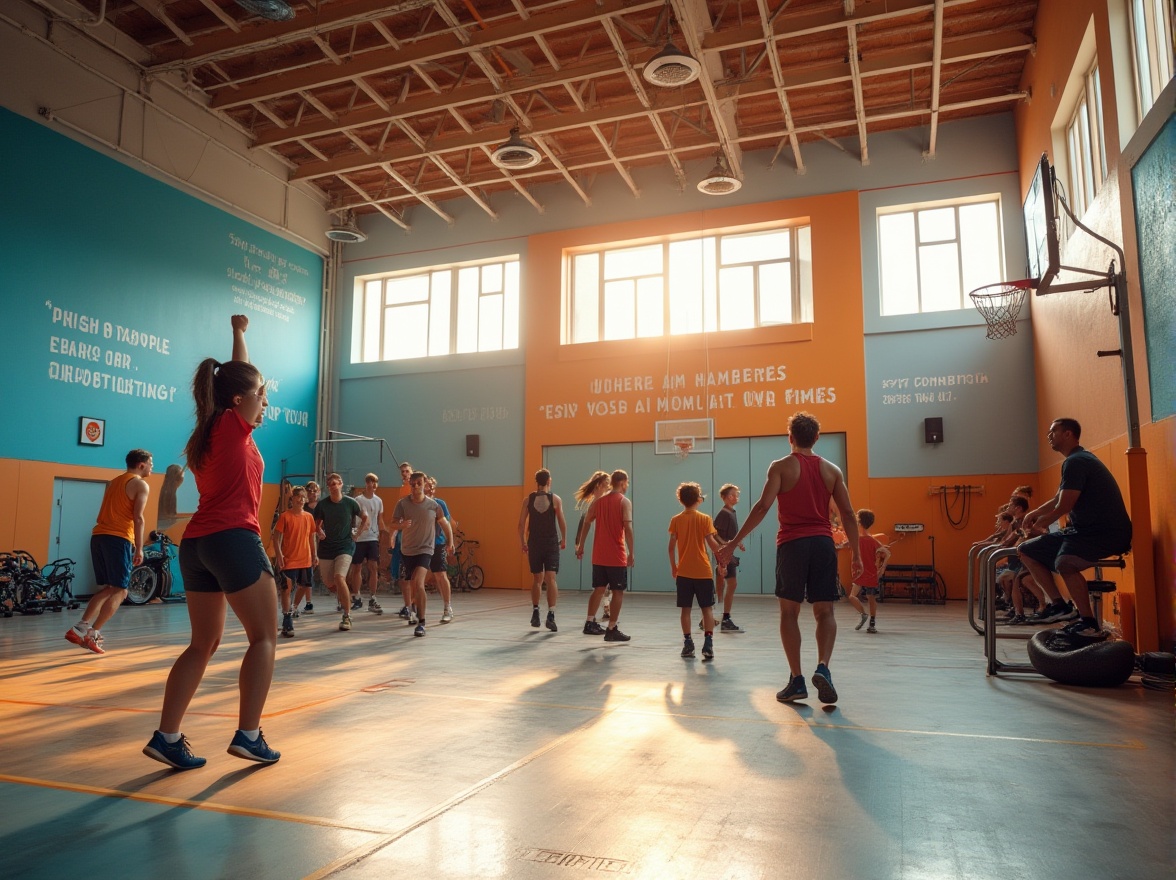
(896, 244)
(929, 257)
(645, 260)
(437, 311)
(725, 281)
(939, 277)
(937, 225)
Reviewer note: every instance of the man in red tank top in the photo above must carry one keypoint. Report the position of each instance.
(612, 554)
(801, 485)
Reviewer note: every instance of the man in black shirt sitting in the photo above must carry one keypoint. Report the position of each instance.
(1097, 527)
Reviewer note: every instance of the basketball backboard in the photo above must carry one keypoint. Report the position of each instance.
(1041, 227)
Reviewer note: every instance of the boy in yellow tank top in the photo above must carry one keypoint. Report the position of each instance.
(116, 547)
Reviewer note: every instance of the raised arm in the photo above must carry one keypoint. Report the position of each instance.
(240, 325)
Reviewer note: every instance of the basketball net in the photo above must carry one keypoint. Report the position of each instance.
(683, 445)
(1000, 304)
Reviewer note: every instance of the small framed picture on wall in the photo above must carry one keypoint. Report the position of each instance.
(91, 431)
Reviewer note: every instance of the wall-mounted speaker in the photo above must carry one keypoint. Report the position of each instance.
(473, 444)
(933, 430)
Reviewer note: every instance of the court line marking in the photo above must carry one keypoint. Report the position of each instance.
(209, 806)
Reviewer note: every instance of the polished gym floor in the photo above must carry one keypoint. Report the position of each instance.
(491, 749)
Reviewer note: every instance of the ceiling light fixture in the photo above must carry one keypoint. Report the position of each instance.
(718, 181)
(516, 154)
(274, 10)
(346, 230)
(671, 67)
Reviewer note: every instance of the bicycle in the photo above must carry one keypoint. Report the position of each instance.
(152, 577)
(465, 575)
(32, 589)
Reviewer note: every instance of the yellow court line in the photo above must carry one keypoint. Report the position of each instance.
(209, 806)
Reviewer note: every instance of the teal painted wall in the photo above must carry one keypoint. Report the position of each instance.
(119, 286)
(1154, 183)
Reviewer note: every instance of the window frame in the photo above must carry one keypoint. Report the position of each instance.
(1086, 155)
(1150, 74)
(447, 307)
(710, 297)
(994, 198)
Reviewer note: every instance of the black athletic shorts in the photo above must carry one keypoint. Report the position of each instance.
(223, 562)
(732, 569)
(806, 568)
(440, 561)
(414, 561)
(545, 558)
(612, 577)
(365, 550)
(691, 588)
(1048, 549)
(299, 577)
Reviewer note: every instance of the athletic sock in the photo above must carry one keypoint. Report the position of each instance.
(726, 616)
(535, 607)
(82, 627)
(251, 735)
(709, 633)
(170, 738)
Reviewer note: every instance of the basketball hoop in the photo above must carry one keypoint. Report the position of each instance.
(1000, 304)
(683, 446)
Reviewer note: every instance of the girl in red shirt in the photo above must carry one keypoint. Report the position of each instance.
(222, 559)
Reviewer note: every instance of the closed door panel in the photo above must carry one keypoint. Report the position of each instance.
(75, 509)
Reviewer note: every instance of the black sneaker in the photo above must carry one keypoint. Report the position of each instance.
(592, 628)
(729, 626)
(796, 690)
(1085, 629)
(308, 608)
(1053, 613)
(535, 617)
(551, 622)
(403, 612)
(288, 625)
(708, 649)
(612, 634)
(1071, 613)
(357, 604)
(688, 648)
(823, 682)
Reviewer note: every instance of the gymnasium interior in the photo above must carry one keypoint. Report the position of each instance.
(491, 236)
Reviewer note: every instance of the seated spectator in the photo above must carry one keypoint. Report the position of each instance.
(1097, 526)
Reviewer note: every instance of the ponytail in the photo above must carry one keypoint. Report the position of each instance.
(213, 388)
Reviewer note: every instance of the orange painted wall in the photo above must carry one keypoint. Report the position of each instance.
(1069, 328)
(828, 353)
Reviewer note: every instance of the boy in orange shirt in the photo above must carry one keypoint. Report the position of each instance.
(296, 550)
(691, 533)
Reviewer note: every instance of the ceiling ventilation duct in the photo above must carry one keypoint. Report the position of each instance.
(274, 10)
(346, 230)
(719, 181)
(516, 154)
(671, 67)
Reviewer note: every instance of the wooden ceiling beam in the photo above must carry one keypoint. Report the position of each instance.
(428, 49)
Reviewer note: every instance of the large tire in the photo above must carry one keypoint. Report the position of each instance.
(144, 582)
(1100, 664)
(475, 577)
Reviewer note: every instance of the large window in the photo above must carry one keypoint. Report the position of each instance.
(931, 255)
(1085, 157)
(443, 310)
(1151, 50)
(731, 280)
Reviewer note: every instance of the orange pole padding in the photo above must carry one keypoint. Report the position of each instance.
(1143, 552)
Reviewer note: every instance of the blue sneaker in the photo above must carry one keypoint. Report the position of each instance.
(823, 682)
(796, 690)
(177, 755)
(258, 750)
(420, 630)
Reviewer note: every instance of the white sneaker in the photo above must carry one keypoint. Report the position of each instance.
(412, 618)
(447, 615)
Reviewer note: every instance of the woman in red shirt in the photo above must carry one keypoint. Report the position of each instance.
(222, 559)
